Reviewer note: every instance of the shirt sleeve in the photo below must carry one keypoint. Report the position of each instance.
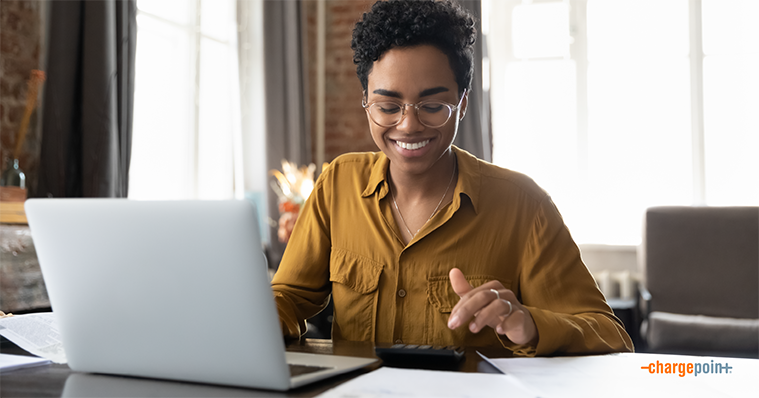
(570, 312)
(301, 285)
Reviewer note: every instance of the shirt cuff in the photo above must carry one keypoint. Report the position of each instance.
(522, 350)
(292, 327)
(551, 330)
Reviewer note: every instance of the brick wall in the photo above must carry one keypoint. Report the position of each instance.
(21, 40)
(346, 126)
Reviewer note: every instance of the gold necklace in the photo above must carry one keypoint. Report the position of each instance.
(455, 164)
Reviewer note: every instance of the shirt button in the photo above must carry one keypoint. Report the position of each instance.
(398, 341)
(401, 293)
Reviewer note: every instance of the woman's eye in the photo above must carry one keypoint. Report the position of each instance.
(432, 108)
(389, 108)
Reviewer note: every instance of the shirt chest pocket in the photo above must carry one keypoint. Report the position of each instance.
(441, 298)
(354, 294)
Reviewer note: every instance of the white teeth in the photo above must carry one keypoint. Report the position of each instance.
(412, 146)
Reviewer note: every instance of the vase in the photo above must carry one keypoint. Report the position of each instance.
(13, 176)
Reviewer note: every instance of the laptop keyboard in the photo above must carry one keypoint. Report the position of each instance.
(297, 370)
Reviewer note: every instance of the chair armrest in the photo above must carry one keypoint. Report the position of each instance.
(644, 301)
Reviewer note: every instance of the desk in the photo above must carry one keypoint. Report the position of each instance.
(630, 375)
(49, 380)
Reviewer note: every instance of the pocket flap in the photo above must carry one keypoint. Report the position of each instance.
(354, 271)
(441, 295)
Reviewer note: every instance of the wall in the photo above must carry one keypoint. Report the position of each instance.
(346, 126)
(21, 49)
(613, 259)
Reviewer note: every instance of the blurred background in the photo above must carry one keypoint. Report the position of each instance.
(612, 106)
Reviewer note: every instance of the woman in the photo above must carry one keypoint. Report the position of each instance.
(422, 243)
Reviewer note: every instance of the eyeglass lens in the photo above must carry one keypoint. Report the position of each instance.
(430, 114)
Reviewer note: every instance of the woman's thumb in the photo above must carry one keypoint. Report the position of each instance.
(458, 282)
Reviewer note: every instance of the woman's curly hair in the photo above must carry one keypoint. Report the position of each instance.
(407, 23)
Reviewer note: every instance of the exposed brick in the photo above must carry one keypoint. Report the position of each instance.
(15, 113)
(6, 150)
(5, 87)
(12, 19)
(19, 90)
(22, 17)
(32, 6)
(19, 66)
(4, 7)
(9, 45)
(20, 41)
(346, 126)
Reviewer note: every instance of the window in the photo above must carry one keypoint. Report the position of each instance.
(186, 118)
(616, 106)
(731, 101)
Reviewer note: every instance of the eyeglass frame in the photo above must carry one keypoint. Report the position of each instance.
(416, 106)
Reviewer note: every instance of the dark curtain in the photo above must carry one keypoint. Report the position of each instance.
(287, 122)
(474, 130)
(89, 96)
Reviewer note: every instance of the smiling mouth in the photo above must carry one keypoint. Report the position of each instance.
(412, 146)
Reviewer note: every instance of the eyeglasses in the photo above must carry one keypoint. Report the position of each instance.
(432, 113)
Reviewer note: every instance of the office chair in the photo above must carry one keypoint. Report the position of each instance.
(700, 291)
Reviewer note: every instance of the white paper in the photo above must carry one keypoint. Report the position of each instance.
(10, 362)
(35, 333)
(393, 382)
(621, 375)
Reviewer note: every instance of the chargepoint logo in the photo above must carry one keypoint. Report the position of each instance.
(683, 368)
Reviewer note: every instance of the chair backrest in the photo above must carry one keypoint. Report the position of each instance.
(702, 260)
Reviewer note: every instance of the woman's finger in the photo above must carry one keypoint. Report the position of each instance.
(484, 287)
(491, 315)
(472, 303)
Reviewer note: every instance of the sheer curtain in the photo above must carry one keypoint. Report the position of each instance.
(187, 130)
(200, 115)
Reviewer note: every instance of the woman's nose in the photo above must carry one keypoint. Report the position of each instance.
(410, 122)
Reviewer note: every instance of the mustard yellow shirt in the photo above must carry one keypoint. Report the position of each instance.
(500, 225)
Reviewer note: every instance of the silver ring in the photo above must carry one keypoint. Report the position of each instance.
(498, 296)
(511, 308)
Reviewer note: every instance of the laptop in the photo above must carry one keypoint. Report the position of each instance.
(174, 290)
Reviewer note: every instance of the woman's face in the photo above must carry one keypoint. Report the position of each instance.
(408, 76)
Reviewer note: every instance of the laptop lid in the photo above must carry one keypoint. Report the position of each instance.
(169, 289)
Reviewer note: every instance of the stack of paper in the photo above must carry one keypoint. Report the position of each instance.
(634, 375)
(392, 382)
(613, 375)
(10, 362)
(35, 333)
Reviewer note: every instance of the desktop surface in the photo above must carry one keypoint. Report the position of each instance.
(50, 380)
(629, 375)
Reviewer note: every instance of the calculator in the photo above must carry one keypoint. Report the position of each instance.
(420, 356)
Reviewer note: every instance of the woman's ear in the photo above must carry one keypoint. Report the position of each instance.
(464, 104)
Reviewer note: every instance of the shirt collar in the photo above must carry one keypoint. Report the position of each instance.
(470, 177)
(468, 182)
(378, 176)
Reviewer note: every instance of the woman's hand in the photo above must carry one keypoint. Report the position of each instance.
(501, 311)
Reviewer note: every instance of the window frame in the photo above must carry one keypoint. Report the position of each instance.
(501, 54)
